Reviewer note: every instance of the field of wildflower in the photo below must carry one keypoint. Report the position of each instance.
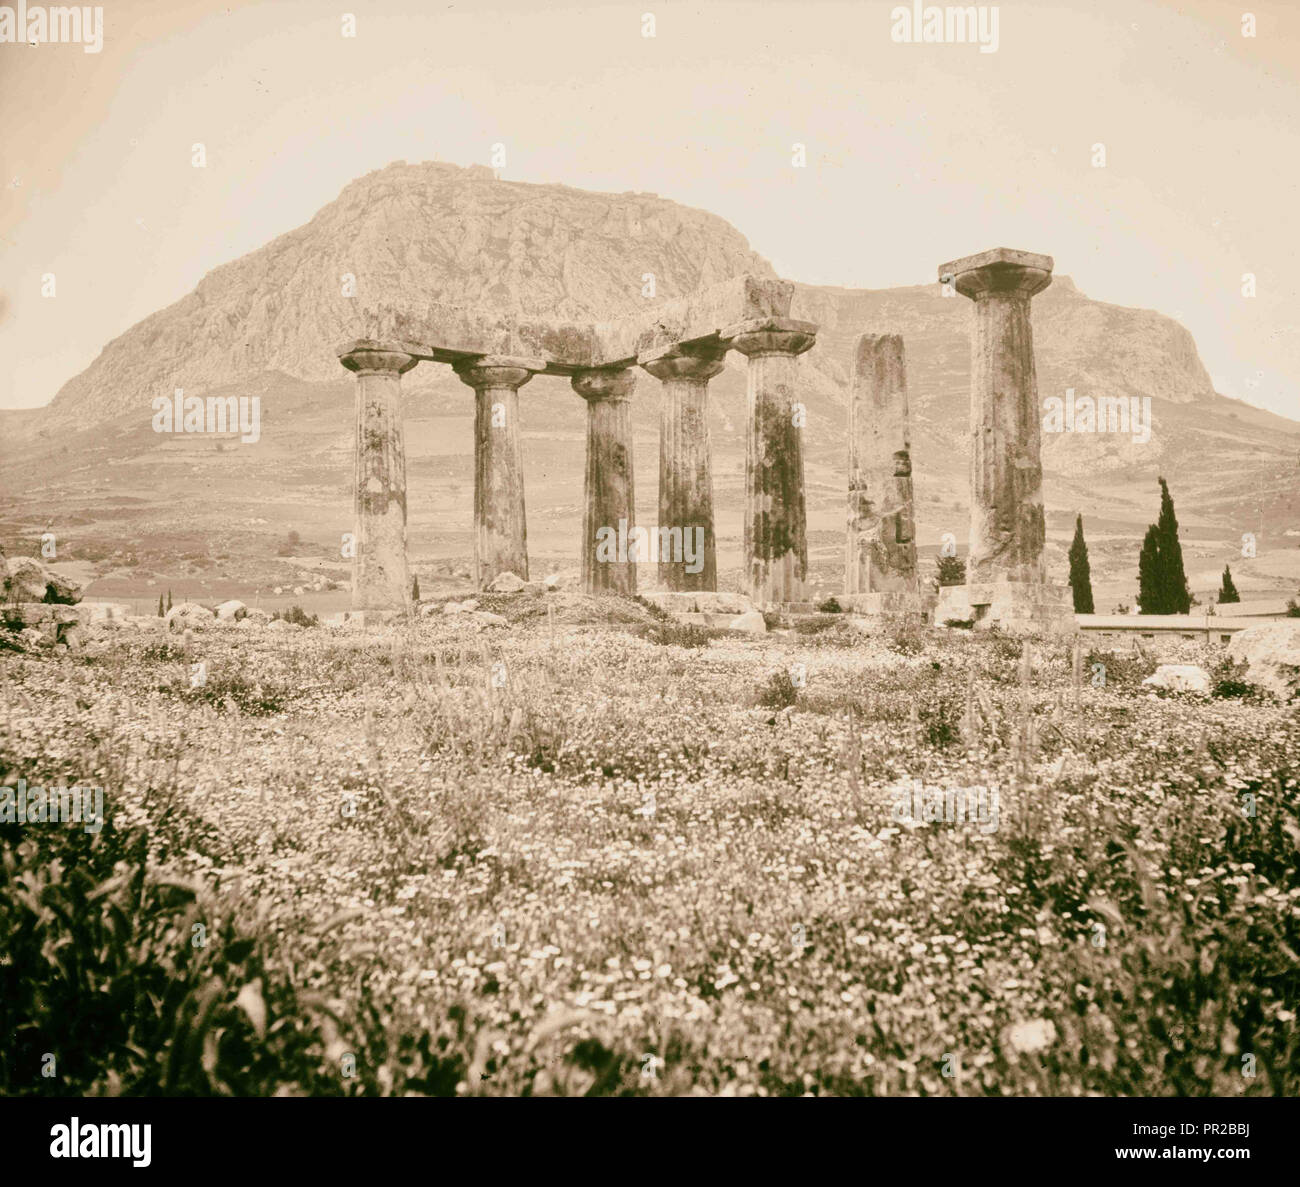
(594, 851)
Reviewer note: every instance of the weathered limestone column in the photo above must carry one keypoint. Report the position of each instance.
(379, 574)
(500, 528)
(685, 463)
(1006, 575)
(881, 548)
(776, 540)
(609, 511)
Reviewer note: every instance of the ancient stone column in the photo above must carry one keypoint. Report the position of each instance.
(1006, 573)
(609, 511)
(500, 529)
(881, 550)
(776, 540)
(685, 466)
(380, 580)
(1007, 528)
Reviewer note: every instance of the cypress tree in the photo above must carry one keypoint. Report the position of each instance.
(1080, 573)
(1228, 591)
(160, 606)
(415, 589)
(169, 599)
(1148, 568)
(1171, 577)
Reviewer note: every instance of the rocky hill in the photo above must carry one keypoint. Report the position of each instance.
(266, 324)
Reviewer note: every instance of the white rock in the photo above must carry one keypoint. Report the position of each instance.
(469, 604)
(507, 583)
(751, 621)
(486, 619)
(553, 581)
(298, 591)
(450, 608)
(231, 611)
(185, 614)
(1273, 652)
(279, 589)
(1180, 678)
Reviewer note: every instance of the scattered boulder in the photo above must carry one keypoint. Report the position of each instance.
(469, 604)
(31, 638)
(1180, 678)
(449, 608)
(257, 615)
(1272, 651)
(751, 622)
(553, 581)
(298, 591)
(188, 614)
(280, 624)
(483, 618)
(507, 583)
(27, 580)
(231, 611)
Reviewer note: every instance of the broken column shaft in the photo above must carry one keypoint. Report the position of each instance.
(500, 527)
(380, 580)
(685, 466)
(881, 547)
(776, 539)
(609, 505)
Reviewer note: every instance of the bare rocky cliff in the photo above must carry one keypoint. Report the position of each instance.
(436, 232)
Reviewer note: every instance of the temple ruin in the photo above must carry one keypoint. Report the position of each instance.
(684, 344)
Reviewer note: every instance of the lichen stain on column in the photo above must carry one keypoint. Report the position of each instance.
(609, 510)
(776, 545)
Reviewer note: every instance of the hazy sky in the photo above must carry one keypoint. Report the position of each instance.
(917, 153)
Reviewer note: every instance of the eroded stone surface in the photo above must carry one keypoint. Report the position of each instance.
(609, 502)
(685, 462)
(380, 579)
(1008, 527)
(881, 545)
(500, 523)
(776, 537)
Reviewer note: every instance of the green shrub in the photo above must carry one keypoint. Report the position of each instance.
(139, 982)
(779, 692)
(297, 616)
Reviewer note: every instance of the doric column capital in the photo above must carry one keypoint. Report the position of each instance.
(1002, 270)
(691, 360)
(771, 335)
(498, 370)
(612, 384)
(377, 358)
